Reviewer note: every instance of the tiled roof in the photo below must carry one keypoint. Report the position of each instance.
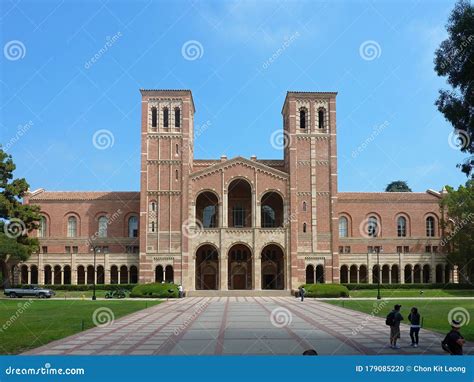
(84, 195)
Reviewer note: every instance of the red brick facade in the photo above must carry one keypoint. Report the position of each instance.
(237, 223)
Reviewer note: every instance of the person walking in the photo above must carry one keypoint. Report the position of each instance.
(393, 320)
(454, 341)
(415, 319)
(302, 293)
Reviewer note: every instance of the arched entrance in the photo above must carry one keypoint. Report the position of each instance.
(353, 274)
(439, 273)
(309, 274)
(394, 272)
(363, 274)
(239, 203)
(344, 274)
(273, 267)
(240, 267)
(207, 268)
(385, 274)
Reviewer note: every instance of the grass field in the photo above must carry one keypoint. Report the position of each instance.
(26, 324)
(434, 312)
(412, 293)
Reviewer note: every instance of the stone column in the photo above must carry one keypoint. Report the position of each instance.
(164, 273)
(257, 271)
(412, 275)
(62, 276)
(401, 269)
(254, 209)
(223, 275)
(118, 275)
(390, 275)
(369, 269)
(29, 276)
(358, 275)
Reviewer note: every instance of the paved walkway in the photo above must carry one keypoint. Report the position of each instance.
(243, 325)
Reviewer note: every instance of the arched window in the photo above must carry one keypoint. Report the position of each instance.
(177, 117)
(430, 226)
(401, 226)
(165, 117)
(176, 174)
(321, 118)
(302, 119)
(304, 206)
(177, 149)
(132, 226)
(152, 206)
(373, 227)
(153, 117)
(304, 227)
(103, 223)
(343, 227)
(71, 226)
(43, 227)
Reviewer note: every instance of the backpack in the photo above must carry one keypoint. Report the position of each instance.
(390, 320)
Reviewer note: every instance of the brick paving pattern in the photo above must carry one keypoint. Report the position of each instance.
(246, 325)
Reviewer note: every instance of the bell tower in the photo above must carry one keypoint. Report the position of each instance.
(166, 162)
(309, 120)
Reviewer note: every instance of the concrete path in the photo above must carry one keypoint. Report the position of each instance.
(243, 325)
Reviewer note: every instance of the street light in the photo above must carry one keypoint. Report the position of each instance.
(95, 249)
(379, 271)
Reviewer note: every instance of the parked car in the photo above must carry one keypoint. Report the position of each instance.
(29, 291)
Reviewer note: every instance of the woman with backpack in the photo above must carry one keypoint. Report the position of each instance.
(415, 319)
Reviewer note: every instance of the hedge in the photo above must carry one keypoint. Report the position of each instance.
(409, 286)
(155, 290)
(325, 290)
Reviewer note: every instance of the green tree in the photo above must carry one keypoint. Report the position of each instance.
(398, 186)
(454, 59)
(16, 219)
(458, 227)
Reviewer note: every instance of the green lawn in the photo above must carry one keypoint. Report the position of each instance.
(434, 312)
(26, 324)
(412, 293)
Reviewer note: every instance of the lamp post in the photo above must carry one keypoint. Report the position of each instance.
(379, 272)
(94, 249)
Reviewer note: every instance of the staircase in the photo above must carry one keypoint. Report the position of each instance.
(238, 293)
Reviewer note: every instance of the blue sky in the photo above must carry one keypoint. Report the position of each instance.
(54, 99)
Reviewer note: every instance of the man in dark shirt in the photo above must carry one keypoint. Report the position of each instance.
(454, 341)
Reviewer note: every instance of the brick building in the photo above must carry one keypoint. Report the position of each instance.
(237, 223)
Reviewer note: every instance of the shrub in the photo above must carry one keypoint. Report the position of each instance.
(87, 287)
(155, 290)
(325, 290)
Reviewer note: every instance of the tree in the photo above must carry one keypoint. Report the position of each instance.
(398, 186)
(454, 59)
(16, 219)
(458, 227)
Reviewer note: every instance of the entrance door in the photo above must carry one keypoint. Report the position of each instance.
(239, 282)
(269, 281)
(209, 282)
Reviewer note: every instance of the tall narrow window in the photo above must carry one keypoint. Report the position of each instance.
(165, 117)
(430, 226)
(373, 227)
(238, 214)
(71, 226)
(132, 226)
(176, 174)
(321, 118)
(153, 117)
(343, 226)
(304, 227)
(43, 226)
(103, 223)
(304, 206)
(401, 226)
(177, 117)
(302, 119)
(177, 149)
(153, 206)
